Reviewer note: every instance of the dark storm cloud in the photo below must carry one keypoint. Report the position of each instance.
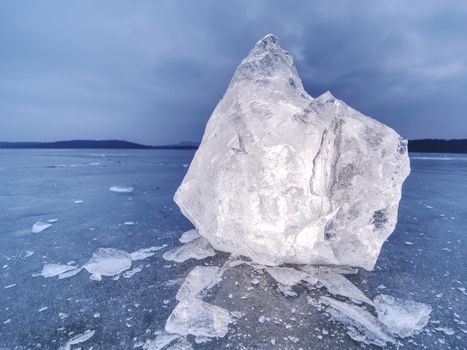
(153, 71)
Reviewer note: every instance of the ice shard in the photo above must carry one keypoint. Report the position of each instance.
(282, 177)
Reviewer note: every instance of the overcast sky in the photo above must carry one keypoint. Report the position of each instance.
(153, 71)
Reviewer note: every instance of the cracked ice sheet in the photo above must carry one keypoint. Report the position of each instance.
(198, 318)
(199, 279)
(196, 249)
(371, 329)
(402, 317)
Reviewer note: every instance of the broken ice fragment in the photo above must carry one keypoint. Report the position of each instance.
(132, 272)
(122, 189)
(373, 331)
(402, 317)
(144, 253)
(199, 279)
(286, 275)
(81, 338)
(339, 285)
(162, 340)
(70, 273)
(281, 177)
(52, 270)
(189, 236)
(198, 318)
(108, 262)
(40, 226)
(196, 249)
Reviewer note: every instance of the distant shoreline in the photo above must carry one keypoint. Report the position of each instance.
(415, 146)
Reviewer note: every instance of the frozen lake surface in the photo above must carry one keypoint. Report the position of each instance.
(67, 196)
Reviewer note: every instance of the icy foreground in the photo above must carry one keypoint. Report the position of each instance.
(282, 177)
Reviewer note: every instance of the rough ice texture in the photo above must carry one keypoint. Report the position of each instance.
(282, 177)
(402, 317)
(80, 338)
(195, 317)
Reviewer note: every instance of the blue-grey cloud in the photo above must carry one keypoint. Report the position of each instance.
(152, 71)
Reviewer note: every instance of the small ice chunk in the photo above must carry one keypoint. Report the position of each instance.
(122, 189)
(129, 223)
(28, 253)
(200, 278)
(10, 286)
(52, 270)
(108, 262)
(189, 236)
(339, 285)
(80, 338)
(70, 273)
(402, 317)
(79, 201)
(372, 330)
(445, 330)
(40, 226)
(62, 315)
(196, 249)
(198, 318)
(132, 272)
(43, 308)
(52, 221)
(144, 253)
(408, 243)
(286, 275)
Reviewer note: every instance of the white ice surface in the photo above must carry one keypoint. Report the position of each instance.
(122, 189)
(199, 279)
(40, 226)
(402, 317)
(189, 236)
(198, 318)
(282, 177)
(196, 249)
